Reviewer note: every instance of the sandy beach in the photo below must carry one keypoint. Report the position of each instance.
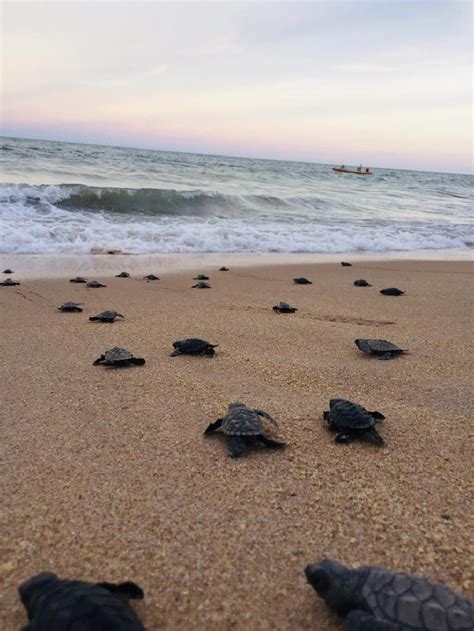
(107, 475)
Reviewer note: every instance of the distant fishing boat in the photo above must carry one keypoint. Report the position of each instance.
(358, 171)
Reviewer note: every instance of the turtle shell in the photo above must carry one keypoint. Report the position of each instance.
(123, 275)
(64, 605)
(361, 283)
(69, 306)
(150, 277)
(241, 421)
(191, 345)
(345, 415)
(78, 279)
(107, 314)
(414, 602)
(117, 354)
(383, 346)
(95, 284)
(302, 281)
(8, 282)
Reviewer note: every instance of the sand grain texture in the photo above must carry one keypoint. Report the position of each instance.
(107, 476)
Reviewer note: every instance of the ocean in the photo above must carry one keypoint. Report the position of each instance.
(80, 199)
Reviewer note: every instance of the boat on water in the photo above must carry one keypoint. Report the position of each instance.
(358, 171)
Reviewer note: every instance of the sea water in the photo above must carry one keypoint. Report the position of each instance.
(78, 199)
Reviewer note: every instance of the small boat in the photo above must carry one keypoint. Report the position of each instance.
(344, 170)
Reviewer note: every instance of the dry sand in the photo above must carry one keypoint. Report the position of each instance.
(107, 476)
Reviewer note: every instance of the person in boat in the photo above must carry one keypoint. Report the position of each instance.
(343, 167)
(359, 169)
(367, 170)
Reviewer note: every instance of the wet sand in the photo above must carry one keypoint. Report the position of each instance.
(107, 476)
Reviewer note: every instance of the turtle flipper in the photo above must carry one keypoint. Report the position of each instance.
(326, 415)
(267, 416)
(375, 436)
(99, 360)
(138, 361)
(175, 352)
(93, 318)
(238, 446)
(213, 426)
(378, 416)
(342, 438)
(125, 591)
(119, 315)
(270, 443)
(385, 356)
(358, 620)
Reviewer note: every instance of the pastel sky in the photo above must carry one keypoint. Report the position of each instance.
(383, 83)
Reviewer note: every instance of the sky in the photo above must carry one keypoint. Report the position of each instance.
(382, 83)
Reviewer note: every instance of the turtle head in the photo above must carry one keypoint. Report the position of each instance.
(333, 402)
(32, 589)
(358, 342)
(334, 583)
(125, 591)
(237, 404)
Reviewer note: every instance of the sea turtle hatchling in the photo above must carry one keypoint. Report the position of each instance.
(284, 307)
(201, 277)
(94, 284)
(106, 316)
(119, 357)
(346, 264)
(193, 346)
(244, 427)
(78, 279)
(122, 275)
(8, 271)
(201, 285)
(380, 348)
(362, 283)
(55, 604)
(302, 281)
(151, 277)
(391, 291)
(223, 269)
(9, 282)
(351, 420)
(375, 599)
(70, 307)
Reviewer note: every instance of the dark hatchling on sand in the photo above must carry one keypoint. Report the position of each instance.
(70, 306)
(201, 277)
(193, 346)
(223, 269)
(94, 284)
(284, 307)
(374, 599)
(302, 281)
(351, 420)
(346, 264)
(151, 277)
(106, 316)
(391, 291)
(54, 604)
(201, 285)
(119, 357)
(122, 275)
(382, 349)
(8, 271)
(78, 279)
(362, 283)
(8, 282)
(244, 428)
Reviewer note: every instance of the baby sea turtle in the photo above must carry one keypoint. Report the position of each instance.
(391, 291)
(122, 275)
(151, 277)
(375, 599)
(284, 307)
(243, 426)
(346, 264)
(193, 346)
(78, 279)
(8, 271)
(94, 284)
(362, 283)
(70, 306)
(117, 356)
(201, 277)
(55, 604)
(201, 285)
(9, 282)
(351, 420)
(106, 316)
(223, 269)
(380, 348)
(302, 281)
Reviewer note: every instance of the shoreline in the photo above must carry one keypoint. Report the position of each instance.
(63, 265)
(108, 476)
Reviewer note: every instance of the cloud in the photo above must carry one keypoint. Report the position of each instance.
(362, 68)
